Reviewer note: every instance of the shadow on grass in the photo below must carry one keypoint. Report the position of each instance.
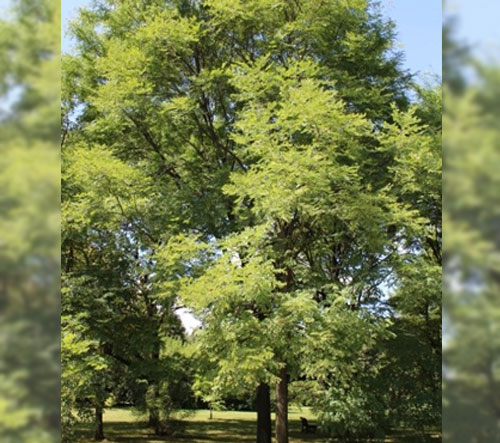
(194, 431)
(224, 431)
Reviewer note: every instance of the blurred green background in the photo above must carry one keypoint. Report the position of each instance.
(29, 221)
(471, 151)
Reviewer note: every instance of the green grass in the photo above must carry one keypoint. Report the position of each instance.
(123, 425)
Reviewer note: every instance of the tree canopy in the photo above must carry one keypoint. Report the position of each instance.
(259, 162)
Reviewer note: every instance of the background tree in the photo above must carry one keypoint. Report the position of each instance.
(414, 371)
(112, 323)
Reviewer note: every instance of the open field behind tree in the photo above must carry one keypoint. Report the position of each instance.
(127, 425)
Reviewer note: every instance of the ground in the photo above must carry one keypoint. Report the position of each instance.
(123, 425)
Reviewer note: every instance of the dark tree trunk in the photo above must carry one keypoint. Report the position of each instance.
(263, 414)
(282, 408)
(99, 424)
(154, 412)
(154, 420)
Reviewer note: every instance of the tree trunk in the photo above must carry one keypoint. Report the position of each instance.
(263, 414)
(99, 424)
(154, 420)
(282, 408)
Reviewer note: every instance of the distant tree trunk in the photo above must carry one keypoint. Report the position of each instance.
(154, 420)
(282, 407)
(263, 414)
(99, 423)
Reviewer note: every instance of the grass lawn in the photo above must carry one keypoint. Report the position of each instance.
(123, 425)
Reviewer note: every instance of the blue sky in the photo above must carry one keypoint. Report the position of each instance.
(478, 25)
(418, 24)
(69, 10)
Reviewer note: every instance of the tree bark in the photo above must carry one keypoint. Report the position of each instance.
(99, 424)
(263, 414)
(154, 420)
(282, 407)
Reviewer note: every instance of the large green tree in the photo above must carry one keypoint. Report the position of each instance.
(259, 131)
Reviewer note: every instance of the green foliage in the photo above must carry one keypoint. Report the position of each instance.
(256, 162)
(414, 352)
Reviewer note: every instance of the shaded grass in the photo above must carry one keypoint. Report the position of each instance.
(123, 425)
